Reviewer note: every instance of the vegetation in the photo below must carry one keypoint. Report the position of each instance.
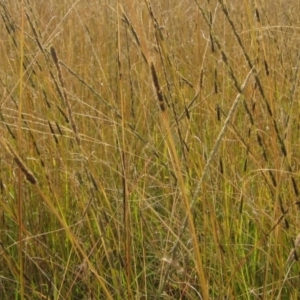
(149, 149)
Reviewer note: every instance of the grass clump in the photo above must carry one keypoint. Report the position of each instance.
(149, 150)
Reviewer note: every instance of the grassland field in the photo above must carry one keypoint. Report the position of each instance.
(149, 149)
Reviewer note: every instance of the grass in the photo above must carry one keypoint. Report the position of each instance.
(149, 150)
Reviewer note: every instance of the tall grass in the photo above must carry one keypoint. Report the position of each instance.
(149, 150)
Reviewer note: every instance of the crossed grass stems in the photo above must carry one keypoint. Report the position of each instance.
(170, 75)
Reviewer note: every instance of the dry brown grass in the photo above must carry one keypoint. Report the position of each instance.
(159, 143)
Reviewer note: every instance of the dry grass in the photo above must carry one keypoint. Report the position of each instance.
(149, 150)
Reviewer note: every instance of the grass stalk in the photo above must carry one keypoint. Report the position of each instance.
(20, 206)
(189, 218)
(124, 166)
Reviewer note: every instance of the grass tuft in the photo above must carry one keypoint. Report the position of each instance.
(159, 146)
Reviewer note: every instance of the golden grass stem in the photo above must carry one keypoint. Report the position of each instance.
(18, 161)
(28, 174)
(198, 188)
(65, 95)
(178, 172)
(123, 151)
